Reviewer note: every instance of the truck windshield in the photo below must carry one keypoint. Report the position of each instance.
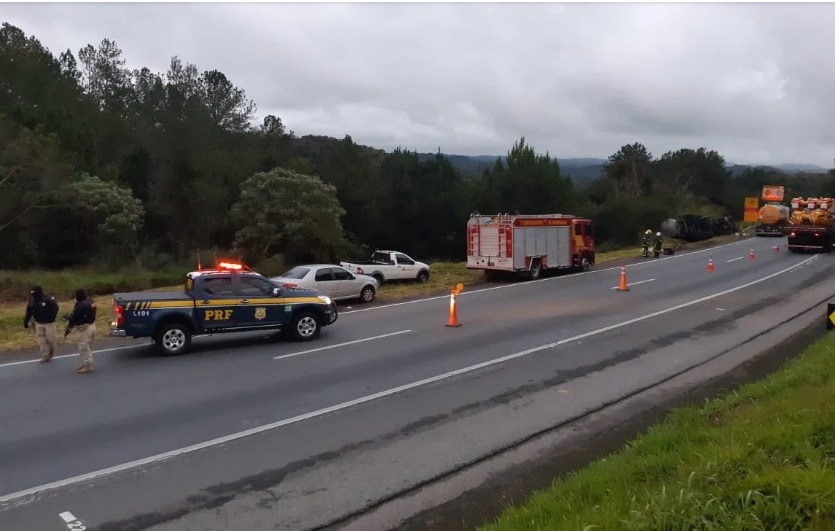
(297, 273)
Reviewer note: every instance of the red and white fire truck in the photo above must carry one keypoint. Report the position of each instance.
(529, 244)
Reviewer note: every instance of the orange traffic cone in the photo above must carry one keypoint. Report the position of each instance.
(776, 248)
(453, 312)
(623, 286)
(710, 264)
(751, 255)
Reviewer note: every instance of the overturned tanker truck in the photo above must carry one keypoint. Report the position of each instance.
(692, 228)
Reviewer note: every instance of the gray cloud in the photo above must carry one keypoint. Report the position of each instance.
(752, 81)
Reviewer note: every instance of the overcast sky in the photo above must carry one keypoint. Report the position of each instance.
(754, 81)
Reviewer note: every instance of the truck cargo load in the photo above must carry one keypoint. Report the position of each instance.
(529, 244)
(772, 217)
(811, 225)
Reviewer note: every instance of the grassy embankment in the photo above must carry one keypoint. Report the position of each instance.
(14, 288)
(762, 457)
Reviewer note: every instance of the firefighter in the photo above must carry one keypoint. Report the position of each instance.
(44, 310)
(659, 242)
(83, 320)
(647, 237)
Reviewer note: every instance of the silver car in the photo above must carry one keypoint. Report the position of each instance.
(334, 281)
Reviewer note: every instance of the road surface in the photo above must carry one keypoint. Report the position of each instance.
(255, 434)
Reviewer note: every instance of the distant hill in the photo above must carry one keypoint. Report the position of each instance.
(579, 169)
(584, 169)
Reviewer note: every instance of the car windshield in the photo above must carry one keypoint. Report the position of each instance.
(297, 273)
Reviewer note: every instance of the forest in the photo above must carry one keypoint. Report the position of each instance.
(107, 165)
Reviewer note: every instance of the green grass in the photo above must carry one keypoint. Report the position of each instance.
(761, 458)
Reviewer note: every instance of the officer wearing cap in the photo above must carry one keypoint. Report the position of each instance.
(44, 310)
(83, 319)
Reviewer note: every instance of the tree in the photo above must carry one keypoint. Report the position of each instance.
(628, 170)
(228, 105)
(282, 211)
(108, 210)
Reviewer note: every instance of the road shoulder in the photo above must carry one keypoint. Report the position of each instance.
(489, 486)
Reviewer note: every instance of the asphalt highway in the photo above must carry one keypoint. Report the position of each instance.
(250, 434)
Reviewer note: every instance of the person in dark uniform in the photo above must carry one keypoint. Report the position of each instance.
(44, 310)
(83, 320)
(659, 244)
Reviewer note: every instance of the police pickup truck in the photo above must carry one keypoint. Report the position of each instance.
(225, 299)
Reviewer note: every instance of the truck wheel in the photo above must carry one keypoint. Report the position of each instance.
(172, 339)
(305, 326)
(379, 278)
(367, 294)
(423, 276)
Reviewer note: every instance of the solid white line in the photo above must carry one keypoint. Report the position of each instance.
(67, 517)
(520, 284)
(376, 396)
(12, 363)
(416, 301)
(340, 345)
(735, 259)
(639, 282)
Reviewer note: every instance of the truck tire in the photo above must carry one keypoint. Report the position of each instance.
(172, 339)
(423, 275)
(305, 326)
(379, 277)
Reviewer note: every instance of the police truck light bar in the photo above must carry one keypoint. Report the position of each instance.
(230, 265)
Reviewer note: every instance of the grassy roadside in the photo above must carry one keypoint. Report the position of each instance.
(763, 457)
(14, 288)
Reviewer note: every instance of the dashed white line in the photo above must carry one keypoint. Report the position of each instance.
(735, 259)
(379, 395)
(67, 517)
(283, 356)
(635, 283)
(416, 301)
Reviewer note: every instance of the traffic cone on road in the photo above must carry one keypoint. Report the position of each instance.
(453, 312)
(776, 248)
(751, 255)
(710, 264)
(623, 286)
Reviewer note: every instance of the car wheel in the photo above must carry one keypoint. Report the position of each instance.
(367, 294)
(305, 326)
(423, 276)
(172, 339)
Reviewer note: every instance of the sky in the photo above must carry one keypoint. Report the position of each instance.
(756, 82)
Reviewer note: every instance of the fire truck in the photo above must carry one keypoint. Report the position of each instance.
(529, 244)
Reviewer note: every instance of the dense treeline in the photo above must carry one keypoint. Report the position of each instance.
(102, 163)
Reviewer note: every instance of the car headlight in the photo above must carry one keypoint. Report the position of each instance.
(325, 299)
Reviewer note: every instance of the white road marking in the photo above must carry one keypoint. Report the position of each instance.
(67, 517)
(519, 284)
(283, 356)
(376, 396)
(416, 301)
(720, 309)
(735, 259)
(12, 363)
(634, 283)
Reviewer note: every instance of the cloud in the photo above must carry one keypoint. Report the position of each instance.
(752, 81)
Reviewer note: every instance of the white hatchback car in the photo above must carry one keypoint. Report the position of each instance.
(336, 282)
